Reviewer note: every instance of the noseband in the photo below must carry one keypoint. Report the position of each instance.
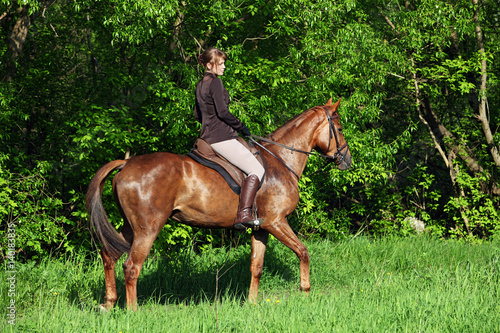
(337, 158)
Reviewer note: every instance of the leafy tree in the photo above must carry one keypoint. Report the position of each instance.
(85, 83)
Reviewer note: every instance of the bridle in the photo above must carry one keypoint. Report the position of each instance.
(337, 158)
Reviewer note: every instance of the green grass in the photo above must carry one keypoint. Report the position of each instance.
(416, 284)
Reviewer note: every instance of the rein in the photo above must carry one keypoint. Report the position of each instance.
(270, 152)
(337, 158)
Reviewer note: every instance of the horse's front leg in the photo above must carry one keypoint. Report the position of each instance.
(282, 231)
(259, 242)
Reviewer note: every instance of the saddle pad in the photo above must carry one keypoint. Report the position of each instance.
(212, 165)
(203, 153)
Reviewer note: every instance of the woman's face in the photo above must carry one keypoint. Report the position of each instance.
(217, 68)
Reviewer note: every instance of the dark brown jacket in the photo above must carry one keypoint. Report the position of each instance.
(212, 111)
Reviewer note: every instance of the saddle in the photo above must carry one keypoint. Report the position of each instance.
(203, 153)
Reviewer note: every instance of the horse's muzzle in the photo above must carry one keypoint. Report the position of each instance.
(344, 162)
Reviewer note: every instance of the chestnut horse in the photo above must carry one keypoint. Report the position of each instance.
(152, 188)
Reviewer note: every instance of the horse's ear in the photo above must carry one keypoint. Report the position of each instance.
(336, 105)
(329, 102)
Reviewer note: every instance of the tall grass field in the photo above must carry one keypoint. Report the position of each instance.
(414, 284)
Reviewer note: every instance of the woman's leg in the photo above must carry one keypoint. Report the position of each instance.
(238, 155)
(242, 158)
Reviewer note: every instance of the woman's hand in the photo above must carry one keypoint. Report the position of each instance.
(245, 131)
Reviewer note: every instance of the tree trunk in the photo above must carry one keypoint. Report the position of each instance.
(447, 138)
(433, 126)
(483, 116)
(16, 41)
(443, 138)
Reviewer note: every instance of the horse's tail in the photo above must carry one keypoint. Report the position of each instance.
(114, 243)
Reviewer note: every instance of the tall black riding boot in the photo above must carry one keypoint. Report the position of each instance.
(244, 218)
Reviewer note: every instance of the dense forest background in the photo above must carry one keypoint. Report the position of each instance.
(86, 82)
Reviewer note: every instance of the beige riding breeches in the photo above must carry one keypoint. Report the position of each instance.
(239, 156)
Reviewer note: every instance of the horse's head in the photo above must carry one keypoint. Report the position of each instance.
(331, 137)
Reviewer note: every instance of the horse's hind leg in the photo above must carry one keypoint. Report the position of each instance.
(110, 280)
(133, 265)
(109, 263)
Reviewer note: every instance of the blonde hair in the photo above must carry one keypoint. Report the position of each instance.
(212, 56)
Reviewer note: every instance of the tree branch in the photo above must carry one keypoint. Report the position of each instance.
(388, 20)
(422, 119)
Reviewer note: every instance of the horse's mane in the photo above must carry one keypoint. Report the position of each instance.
(293, 123)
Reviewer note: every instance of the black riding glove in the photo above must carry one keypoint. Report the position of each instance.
(245, 131)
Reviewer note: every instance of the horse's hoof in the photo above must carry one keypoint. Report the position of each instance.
(103, 308)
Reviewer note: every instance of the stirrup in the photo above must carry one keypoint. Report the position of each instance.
(254, 224)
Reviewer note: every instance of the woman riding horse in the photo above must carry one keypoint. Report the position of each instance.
(219, 128)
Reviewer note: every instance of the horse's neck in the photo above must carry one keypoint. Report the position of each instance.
(299, 134)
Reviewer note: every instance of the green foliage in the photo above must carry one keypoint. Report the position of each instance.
(314, 217)
(474, 206)
(173, 236)
(96, 80)
(32, 213)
